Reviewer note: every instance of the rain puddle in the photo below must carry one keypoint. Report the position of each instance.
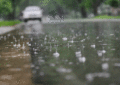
(76, 54)
(67, 54)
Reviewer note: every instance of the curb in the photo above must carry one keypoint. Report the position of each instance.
(6, 29)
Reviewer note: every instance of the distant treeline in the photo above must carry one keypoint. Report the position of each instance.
(10, 9)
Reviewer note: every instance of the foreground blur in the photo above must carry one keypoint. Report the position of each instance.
(69, 53)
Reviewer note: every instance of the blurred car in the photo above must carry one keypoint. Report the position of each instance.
(32, 13)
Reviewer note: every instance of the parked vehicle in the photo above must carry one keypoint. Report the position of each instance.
(32, 13)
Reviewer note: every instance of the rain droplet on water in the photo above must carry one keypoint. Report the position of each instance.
(117, 64)
(64, 38)
(93, 46)
(82, 59)
(63, 70)
(78, 54)
(56, 54)
(22, 37)
(105, 66)
(90, 77)
(99, 53)
(52, 64)
(70, 63)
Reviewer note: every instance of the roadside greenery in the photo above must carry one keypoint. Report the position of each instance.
(9, 23)
(106, 17)
(11, 9)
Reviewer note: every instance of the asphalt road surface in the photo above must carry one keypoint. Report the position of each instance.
(61, 53)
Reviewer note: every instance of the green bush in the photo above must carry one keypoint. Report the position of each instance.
(9, 23)
(106, 17)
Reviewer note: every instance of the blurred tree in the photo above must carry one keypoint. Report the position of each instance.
(8, 8)
(14, 4)
(76, 5)
(54, 8)
(93, 4)
(113, 3)
(5, 8)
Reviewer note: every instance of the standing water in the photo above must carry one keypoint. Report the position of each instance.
(81, 53)
(87, 54)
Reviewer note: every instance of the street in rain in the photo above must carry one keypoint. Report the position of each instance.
(47, 47)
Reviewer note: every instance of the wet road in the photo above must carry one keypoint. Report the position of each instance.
(80, 53)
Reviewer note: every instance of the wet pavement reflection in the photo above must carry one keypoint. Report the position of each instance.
(82, 53)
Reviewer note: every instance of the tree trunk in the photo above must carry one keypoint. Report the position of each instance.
(14, 9)
(83, 12)
(82, 9)
(95, 11)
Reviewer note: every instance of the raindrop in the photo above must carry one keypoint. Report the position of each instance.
(117, 64)
(56, 54)
(71, 41)
(111, 34)
(103, 51)
(50, 47)
(45, 38)
(52, 64)
(32, 65)
(64, 38)
(93, 46)
(28, 44)
(15, 45)
(23, 47)
(35, 52)
(105, 66)
(22, 37)
(68, 45)
(31, 39)
(85, 34)
(113, 49)
(78, 54)
(64, 70)
(83, 40)
(99, 53)
(11, 42)
(97, 37)
(41, 45)
(82, 59)
(89, 77)
(18, 45)
(103, 74)
(70, 63)
(105, 59)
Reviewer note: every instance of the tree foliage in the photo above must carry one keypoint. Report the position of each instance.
(113, 3)
(5, 7)
(12, 8)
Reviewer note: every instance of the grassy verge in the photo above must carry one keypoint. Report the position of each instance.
(106, 17)
(9, 23)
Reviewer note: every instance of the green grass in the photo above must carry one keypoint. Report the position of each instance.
(9, 23)
(106, 17)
